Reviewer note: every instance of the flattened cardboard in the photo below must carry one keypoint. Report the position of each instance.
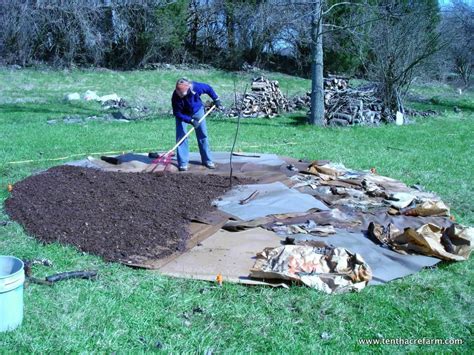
(231, 254)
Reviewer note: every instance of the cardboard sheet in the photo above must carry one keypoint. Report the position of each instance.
(135, 161)
(131, 165)
(231, 254)
(198, 232)
(255, 158)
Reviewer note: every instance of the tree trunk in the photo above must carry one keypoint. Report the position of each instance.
(390, 96)
(317, 81)
(230, 24)
(193, 24)
(465, 72)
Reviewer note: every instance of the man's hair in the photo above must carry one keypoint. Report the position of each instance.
(183, 81)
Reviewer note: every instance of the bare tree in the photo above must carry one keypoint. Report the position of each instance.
(130, 33)
(317, 73)
(319, 11)
(117, 33)
(314, 13)
(404, 35)
(459, 25)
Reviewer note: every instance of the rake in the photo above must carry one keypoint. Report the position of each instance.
(165, 159)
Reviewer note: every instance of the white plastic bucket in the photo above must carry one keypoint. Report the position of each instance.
(12, 278)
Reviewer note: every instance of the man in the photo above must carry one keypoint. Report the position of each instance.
(189, 109)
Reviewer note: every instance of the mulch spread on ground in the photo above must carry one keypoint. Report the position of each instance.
(113, 215)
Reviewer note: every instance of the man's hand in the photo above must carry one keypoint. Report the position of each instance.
(218, 104)
(195, 123)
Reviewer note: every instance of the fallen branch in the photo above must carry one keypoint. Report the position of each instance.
(250, 198)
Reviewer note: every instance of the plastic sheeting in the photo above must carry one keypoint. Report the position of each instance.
(274, 198)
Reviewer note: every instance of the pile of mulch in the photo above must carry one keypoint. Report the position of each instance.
(110, 214)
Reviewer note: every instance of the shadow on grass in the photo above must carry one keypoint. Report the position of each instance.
(284, 120)
(444, 104)
(273, 122)
(298, 120)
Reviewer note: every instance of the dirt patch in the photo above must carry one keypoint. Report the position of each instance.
(113, 215)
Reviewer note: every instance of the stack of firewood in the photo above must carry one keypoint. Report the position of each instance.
(348, 106)
(264, 100)
(343, 105)
(355, 106)
(335, 83)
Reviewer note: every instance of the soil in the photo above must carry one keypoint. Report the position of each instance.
(114, 215)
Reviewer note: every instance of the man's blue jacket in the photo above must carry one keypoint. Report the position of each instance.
(185, 107)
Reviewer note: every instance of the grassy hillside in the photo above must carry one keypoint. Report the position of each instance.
(139, 310)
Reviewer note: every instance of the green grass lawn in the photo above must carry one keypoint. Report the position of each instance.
(137, 310)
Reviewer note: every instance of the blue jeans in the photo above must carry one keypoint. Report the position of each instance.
(201, 135)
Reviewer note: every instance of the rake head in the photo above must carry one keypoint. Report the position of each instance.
(160, 164)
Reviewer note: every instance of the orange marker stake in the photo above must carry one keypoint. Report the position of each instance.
(219, 279)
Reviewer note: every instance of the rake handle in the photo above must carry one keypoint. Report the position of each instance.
(188, 133)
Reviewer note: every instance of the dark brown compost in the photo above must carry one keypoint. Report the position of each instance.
(111, 214)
